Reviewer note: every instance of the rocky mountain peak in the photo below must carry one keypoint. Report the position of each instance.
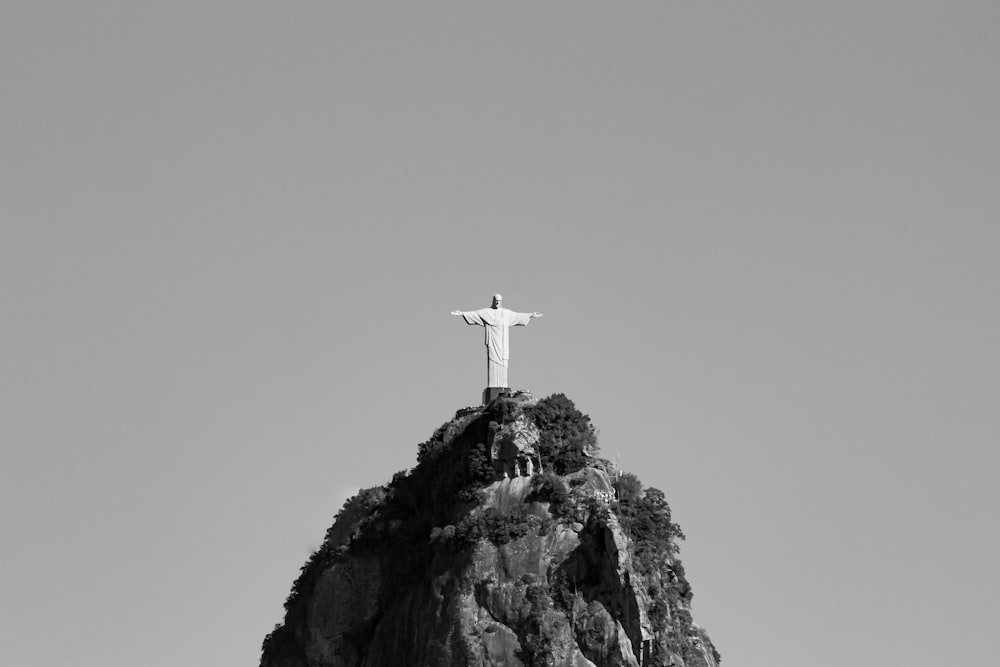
(510, 543)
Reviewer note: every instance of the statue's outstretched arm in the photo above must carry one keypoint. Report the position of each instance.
(534, 315)
(470, 317)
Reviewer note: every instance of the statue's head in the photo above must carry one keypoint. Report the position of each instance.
(497, 300)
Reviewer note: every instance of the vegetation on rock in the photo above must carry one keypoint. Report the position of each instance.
(568, 440)
(549, 488)
(645, 516)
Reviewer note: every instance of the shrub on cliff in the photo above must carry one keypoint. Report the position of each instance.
(627, 487)
(537, 629)
(549, 488)
(646, 517)
(567, 439)
(497, 526)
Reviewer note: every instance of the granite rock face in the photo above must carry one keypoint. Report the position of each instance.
(448, 565)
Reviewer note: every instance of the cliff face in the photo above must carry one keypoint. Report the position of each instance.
(476, 558)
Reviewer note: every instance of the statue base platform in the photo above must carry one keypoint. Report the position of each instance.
(490, 394)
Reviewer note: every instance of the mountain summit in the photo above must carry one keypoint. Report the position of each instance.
(510, 543)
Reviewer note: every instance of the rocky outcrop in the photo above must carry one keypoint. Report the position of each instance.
(449, 565)
(513, 448)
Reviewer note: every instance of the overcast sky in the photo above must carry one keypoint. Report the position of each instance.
(765, 237)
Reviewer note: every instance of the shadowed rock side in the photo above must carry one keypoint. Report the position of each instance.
(547, 557)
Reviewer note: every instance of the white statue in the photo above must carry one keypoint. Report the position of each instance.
(496, 321)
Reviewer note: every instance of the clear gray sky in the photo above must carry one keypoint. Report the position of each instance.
(765, 237)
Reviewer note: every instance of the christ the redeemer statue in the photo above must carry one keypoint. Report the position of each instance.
(496, 321)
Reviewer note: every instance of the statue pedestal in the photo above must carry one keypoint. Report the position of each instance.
(490, 394)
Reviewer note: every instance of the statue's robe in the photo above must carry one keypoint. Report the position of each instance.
(496, 321)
